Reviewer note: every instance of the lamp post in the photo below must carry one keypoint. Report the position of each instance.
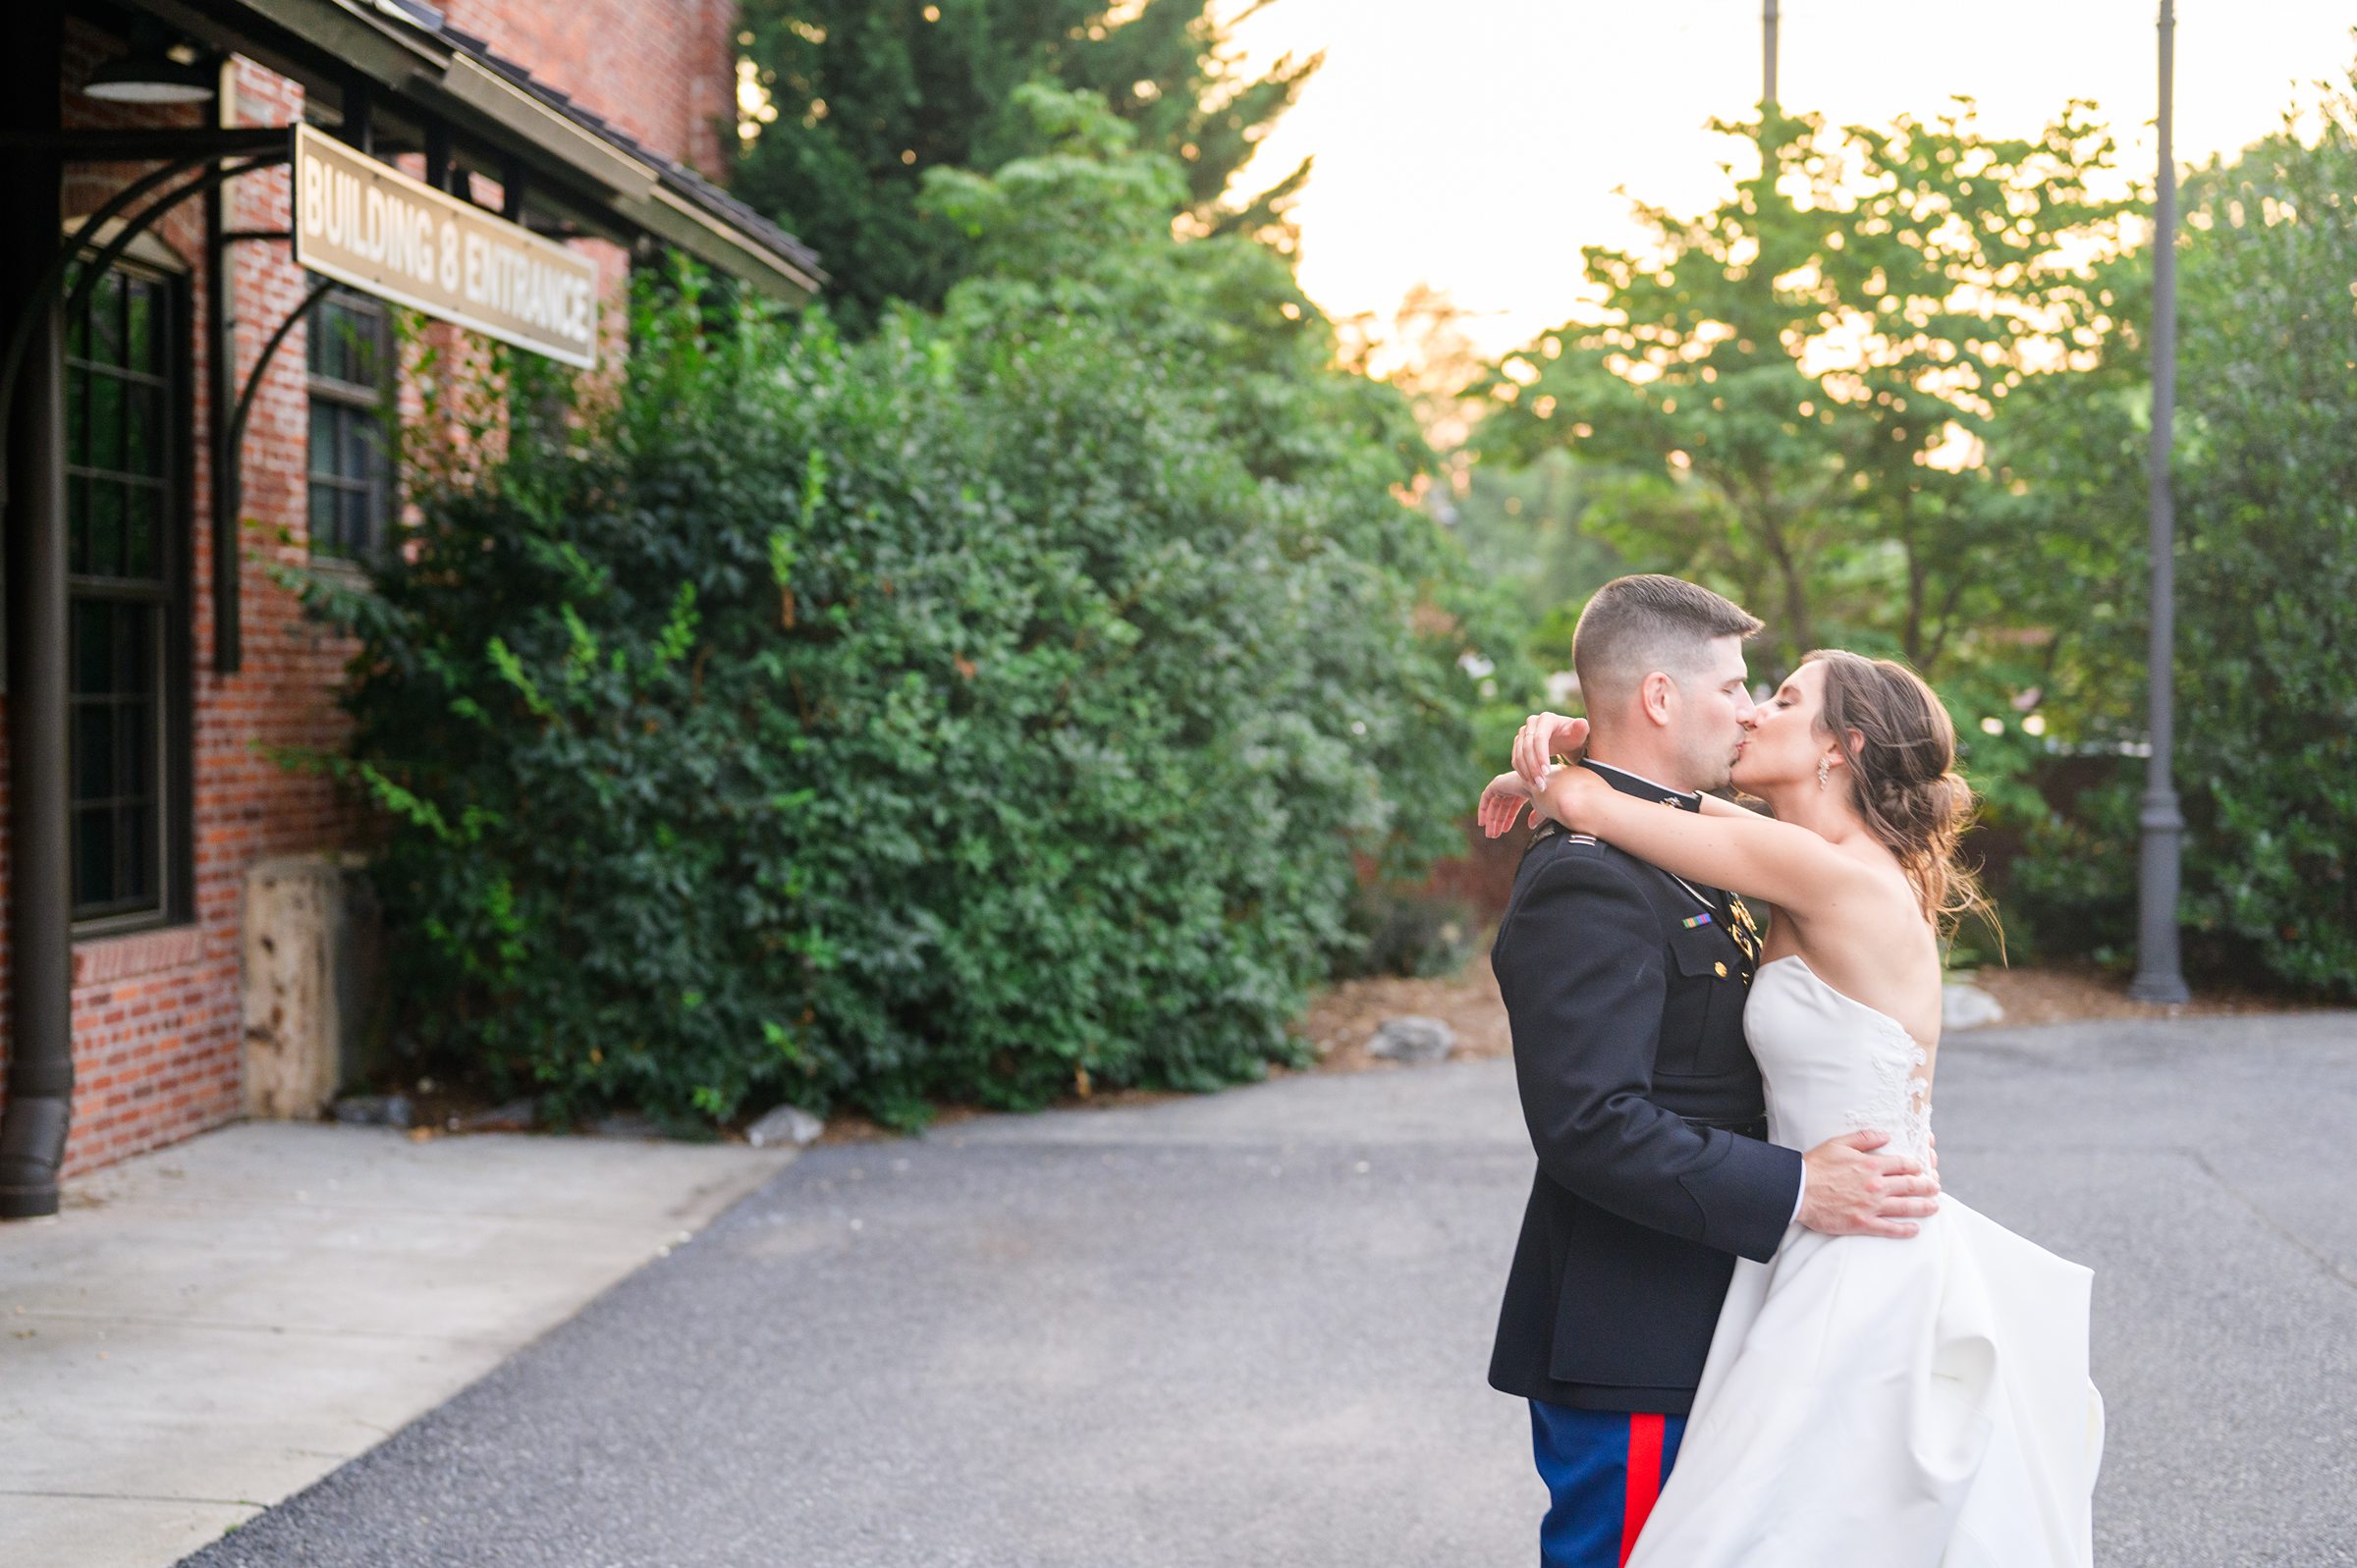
(1768, 21)
(2159, 974)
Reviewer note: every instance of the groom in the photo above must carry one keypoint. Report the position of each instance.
(1624, 987)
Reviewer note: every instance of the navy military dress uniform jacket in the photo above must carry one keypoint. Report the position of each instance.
(1625, 990)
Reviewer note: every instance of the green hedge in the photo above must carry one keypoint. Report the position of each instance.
(989, 708)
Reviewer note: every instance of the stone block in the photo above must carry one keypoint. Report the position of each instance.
(787, 1127)
(1963, 1005)
(1414, 1039)
(312, 981)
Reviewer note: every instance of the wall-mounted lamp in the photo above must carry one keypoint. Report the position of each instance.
(153, 76)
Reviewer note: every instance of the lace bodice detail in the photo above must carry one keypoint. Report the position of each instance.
(1833, 1065)
(1901, 1101)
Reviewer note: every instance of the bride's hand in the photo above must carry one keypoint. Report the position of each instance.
(1541, 737)
(1568, 793)
(1501, 803)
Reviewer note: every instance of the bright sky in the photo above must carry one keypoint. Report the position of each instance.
(1476, 144)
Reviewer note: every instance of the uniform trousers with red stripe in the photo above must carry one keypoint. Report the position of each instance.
(1603, 1470)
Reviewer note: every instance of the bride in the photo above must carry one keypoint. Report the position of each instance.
(1921, 1401)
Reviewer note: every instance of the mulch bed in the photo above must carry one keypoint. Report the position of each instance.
(2072, 993)
(1342, 1022)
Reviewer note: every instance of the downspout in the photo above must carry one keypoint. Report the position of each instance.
(220, 365)
(40, 990)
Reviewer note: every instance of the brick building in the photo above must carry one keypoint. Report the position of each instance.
(152, 663)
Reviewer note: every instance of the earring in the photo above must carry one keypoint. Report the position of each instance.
(1824, 768)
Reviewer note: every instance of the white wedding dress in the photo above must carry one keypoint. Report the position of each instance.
(1906, 1403)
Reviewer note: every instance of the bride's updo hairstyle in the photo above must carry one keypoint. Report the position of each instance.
(1902, 767)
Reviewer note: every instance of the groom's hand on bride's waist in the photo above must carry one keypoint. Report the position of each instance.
(1851, 1189)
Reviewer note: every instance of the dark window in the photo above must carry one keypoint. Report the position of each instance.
(125, 506)
(351, 491)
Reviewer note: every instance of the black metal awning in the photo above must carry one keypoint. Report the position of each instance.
(392, 76)
(423, 80)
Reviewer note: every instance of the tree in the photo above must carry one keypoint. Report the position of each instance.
(851, 102)
(2267, 570)
(995, 707)
(1789, 392)
(1425, 351)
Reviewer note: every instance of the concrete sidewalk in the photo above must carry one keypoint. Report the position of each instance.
(209, 1328)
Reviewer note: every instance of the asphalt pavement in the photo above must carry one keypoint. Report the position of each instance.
(1250, 1330)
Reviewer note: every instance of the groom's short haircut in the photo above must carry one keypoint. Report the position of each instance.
(1635, 626)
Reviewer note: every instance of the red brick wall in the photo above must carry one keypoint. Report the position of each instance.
(158, 1015)
(664, 71)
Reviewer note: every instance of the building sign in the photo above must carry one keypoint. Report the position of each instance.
(358, 222)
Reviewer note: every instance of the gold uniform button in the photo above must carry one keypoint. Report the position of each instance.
(1722, 968)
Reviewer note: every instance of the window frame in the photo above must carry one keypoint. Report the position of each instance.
(353, 401)
(174, 901)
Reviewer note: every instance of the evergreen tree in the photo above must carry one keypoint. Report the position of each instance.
(858, 99)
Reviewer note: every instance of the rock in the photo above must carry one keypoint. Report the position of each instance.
(375, 1111)
(1414, 1039)
(516, 1116)
(1964, 1005)
(629, 1125)
(788, 1126)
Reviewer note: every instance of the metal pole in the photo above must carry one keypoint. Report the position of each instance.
(219, 375)
(2159, 973)
(1768, 54)
(40, 990)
